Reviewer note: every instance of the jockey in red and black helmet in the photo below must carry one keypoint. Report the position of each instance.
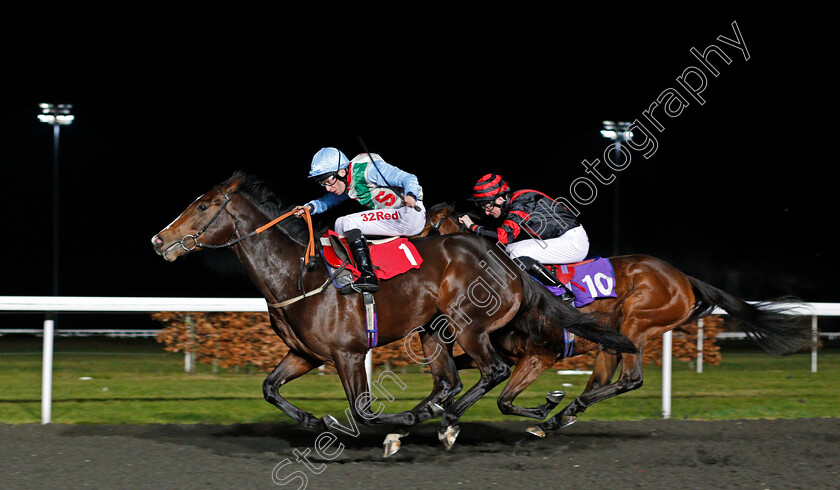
(535, 228)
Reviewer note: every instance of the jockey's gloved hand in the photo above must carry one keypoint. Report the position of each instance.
(300, 210)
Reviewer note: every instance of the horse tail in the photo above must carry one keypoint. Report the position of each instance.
(543, 309)
(773, 325)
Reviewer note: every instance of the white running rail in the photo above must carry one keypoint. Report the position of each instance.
(102, 304)
(107, 304)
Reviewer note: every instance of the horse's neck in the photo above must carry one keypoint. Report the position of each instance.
(272, 258)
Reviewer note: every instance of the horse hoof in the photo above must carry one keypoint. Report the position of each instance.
(448, 436)
(567, 420)
(392, 444)
(536, 431)
(436, 409)
(555, 396)
(329, 421)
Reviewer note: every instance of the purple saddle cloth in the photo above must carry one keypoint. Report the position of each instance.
(590, 280)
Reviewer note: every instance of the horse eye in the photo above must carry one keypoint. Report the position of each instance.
(202, 207)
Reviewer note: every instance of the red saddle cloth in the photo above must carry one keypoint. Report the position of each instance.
(566, 272)
(390, 258)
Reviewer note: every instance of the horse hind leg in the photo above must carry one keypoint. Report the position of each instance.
(603, 370)
(291, 367)
(493, 369)
(631, 378)
(648, 313)
(447, 382)
(438, 355)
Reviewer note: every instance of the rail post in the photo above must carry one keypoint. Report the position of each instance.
(189, 364)
(814, 342)
(666, 375)
(700, 345)
(46, 370)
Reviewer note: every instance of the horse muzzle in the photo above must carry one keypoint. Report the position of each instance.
(168, 252)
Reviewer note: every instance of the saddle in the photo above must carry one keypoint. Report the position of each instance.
(390, 257)
(589, 280)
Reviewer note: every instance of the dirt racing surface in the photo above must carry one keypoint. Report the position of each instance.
(772, 454)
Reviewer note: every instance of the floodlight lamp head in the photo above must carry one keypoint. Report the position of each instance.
(60, 114)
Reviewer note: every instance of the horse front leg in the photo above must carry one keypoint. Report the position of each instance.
(351, 371)
(292, 366)
(529, 367)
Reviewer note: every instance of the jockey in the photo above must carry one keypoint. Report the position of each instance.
(535, 228)
(393, 197)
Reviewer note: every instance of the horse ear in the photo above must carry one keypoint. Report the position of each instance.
(232, 186)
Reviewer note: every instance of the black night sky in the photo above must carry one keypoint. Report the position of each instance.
(170, 102)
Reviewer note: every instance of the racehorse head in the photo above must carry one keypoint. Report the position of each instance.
(442, 217)
(206, 223)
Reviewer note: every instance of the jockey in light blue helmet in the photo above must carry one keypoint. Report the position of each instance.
(393, 199)
(328, 160)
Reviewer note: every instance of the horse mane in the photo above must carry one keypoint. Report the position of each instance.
(441, 206)
(261, 193)
(450, 209)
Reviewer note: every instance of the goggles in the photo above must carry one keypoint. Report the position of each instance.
(488, 206)
(328, 179)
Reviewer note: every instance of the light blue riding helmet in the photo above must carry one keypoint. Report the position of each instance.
(328, 160)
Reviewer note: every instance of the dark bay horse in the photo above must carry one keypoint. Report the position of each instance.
(459, 279)
(653, 297)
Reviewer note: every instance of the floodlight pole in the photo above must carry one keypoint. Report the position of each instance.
(617, 132)
(56, 133)
(616, 207)
(57, 116)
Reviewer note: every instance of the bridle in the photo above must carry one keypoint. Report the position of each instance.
(310, 248)
(436, 225)
(194, 237)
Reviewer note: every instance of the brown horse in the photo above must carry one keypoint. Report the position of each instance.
(458, 280)
(653, 297)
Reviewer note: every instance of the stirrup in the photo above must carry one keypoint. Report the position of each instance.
(362, 285)
(568, 295)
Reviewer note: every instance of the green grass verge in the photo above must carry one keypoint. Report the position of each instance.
(136, 382)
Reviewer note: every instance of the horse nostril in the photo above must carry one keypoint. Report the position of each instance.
(157, 242)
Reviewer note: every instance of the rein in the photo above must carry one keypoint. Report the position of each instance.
(310, 247)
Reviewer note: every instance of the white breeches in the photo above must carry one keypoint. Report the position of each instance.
(568, 248)
(404, 221)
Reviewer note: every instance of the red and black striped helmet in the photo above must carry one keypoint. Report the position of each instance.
(489, 188)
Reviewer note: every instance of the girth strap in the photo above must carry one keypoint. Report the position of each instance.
(320, 290)
(371, 321)
(304, 295)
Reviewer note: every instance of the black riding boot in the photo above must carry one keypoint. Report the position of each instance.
(542, 274)
(367, 282)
